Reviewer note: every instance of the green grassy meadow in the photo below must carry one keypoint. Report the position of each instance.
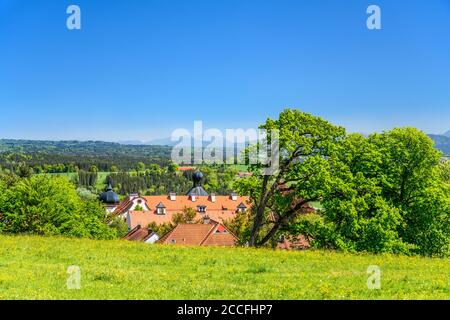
(36, 268)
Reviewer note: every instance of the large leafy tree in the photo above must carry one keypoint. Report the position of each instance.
(305, 142)
(412, 181)
(50, 206)
(387, 194)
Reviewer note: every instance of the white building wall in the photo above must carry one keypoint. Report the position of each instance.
(152, 239)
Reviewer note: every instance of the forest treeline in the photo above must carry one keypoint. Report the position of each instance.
(162, 180)
(83, 148)
(71, 156)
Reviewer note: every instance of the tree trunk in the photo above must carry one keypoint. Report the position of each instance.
(259, 214)
(281, 220)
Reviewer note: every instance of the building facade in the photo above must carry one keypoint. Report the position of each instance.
(140, 210)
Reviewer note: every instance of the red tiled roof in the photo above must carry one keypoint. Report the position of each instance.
(181, 202)
(138, 234)
(124, 205)
(144, 218)
(222, 203)
(200, 235)
(223, 209)
(185, 168)
(244, 174)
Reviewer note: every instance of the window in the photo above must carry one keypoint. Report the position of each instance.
(173, 240)
(201, 209)
(161, 208)
(241, 207)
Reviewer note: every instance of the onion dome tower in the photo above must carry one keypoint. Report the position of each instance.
(197, 189)
(109, 196)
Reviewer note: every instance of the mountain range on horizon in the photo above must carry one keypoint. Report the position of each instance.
(164, 142)
(167, 141)
(442, 142)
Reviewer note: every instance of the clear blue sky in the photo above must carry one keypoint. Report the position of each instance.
(139, 69)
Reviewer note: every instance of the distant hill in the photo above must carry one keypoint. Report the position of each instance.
(447, 134)
(83, 148)
(157, 148)
(442, 142)
(163, 142)
(168, 142)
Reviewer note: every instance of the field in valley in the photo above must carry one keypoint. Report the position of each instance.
(36, 268)
(101, 179)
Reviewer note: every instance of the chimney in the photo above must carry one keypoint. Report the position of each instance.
(173, 196)
(206, 220)
(213, 197)
(234, 196)
(193, 197)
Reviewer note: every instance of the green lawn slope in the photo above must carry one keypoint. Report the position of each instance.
(36, 268)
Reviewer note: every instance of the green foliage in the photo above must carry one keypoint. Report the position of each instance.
(386, 195)
(50, 206)
(388, 192)
(305, 143)
(24, 171)
(187, 215)
(241, 226)
(444, 171)
(71, 156)
(158, 180)
(172, 167)
(87, 179)
(120, 225)
(140, 166)
(86, 195)
(151, 182)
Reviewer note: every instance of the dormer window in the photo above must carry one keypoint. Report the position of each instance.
(201, 208)
(234, 196)
(219, 232)
(161, 208)
(221, 229)
(241, 207)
